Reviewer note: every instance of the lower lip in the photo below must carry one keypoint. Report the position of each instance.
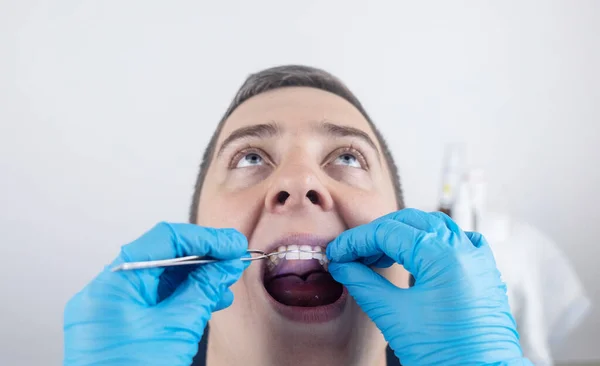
(314, 314)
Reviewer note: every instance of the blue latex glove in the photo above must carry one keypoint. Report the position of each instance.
(154, 316)
(457, 313)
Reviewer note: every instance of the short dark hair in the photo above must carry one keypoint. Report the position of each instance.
(290, 76)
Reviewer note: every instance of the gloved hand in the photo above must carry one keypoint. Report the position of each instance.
(154, 316)
(457, 312)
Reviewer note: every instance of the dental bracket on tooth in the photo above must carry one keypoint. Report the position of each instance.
(297, 252)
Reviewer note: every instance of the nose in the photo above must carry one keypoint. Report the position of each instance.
(297, 187)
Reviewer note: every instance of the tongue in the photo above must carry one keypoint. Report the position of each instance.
(318, 289)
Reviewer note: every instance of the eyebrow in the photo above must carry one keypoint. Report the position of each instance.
(261, 131)
(345, 131)
(267, 130)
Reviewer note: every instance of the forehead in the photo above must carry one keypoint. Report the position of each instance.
(292, 108)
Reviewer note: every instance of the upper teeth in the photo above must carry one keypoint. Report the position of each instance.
(298, 252)
(295, 252)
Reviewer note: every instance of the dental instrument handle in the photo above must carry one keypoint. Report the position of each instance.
(197, 260)
(157, 264)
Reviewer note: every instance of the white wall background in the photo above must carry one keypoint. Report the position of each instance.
(106, 106)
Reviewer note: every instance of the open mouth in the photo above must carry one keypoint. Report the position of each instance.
(300, 279)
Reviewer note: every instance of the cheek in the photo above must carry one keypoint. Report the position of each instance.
(358, 208)
(396, 274)
(357, 178)
(230, 210)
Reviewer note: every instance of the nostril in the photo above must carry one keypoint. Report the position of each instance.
(282, 197)
(313, 196)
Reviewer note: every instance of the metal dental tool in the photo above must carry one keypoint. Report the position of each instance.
(255, 254)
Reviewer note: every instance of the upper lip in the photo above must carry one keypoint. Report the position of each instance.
(299, 239)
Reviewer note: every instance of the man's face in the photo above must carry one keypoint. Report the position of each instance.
(294, 167)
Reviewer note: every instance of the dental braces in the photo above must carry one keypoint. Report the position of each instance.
(255, 254)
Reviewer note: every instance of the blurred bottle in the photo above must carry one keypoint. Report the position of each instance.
(478, 193)
(462, 211)
(463, 192)
(453, 169)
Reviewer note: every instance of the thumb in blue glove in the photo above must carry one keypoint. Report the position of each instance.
(457, 312)
(154, 316)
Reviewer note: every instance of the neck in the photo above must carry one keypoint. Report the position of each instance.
(221, 353)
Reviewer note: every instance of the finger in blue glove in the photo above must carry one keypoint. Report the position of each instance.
(456, 313)
(154, 316)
